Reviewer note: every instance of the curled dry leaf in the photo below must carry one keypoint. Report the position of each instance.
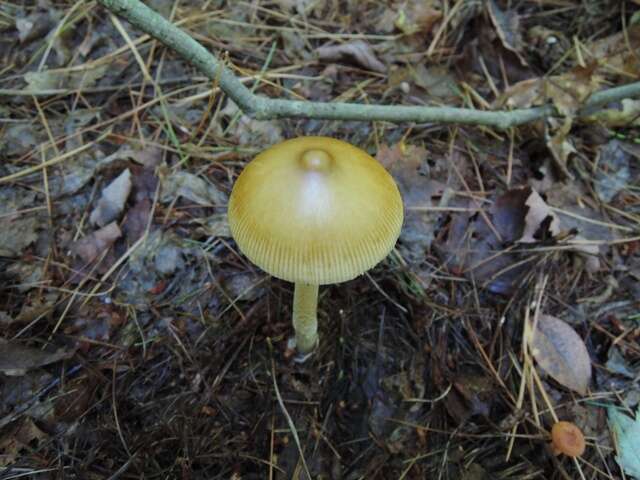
(93, 245)
(540, 221)
(112, 201)
(357, 51)
(561, 353)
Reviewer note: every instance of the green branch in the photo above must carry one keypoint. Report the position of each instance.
(263, 108)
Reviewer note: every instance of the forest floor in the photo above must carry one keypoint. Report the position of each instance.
(137, 342)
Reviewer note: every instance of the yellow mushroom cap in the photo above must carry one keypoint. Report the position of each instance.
(315, 210)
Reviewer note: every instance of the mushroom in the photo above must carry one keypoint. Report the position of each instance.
(314, 211)
(567, 438)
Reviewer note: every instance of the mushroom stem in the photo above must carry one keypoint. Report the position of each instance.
(305, 320)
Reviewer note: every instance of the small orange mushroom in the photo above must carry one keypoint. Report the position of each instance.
(567, 438)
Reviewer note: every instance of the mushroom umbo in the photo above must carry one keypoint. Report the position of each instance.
(314, 211)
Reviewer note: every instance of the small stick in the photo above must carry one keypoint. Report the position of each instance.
(263, 108)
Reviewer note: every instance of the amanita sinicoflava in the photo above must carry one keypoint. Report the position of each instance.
(314, 211)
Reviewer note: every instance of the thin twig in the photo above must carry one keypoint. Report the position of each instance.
(292, 425)
(263, 108)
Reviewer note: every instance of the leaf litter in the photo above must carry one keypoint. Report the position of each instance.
(16, 360)
(420, 373)
(357, 51)
(626, 431)
(112, 200)
(18, 227)
(561, 353)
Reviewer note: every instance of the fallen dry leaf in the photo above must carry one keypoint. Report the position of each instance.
(618, 53)
(17, 230)
(569, 202)
(508, 29)
(357, 51)
(250, 132)
(476, 392)
(149, 156)
(16, 360)
(36, 305)
(561, 353)
(614, 170)
(561, 147)
(215, 225)
(476, 245)
(567, 92)
(112, 200)
(64, 78)
(136, 221)
(93, 245)
(540, 222)
(192, 187)
(524, 94)
(626, 431)
(417, 16)
(24, 435)
(18, 234)
(438, 81)
(419, 192)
